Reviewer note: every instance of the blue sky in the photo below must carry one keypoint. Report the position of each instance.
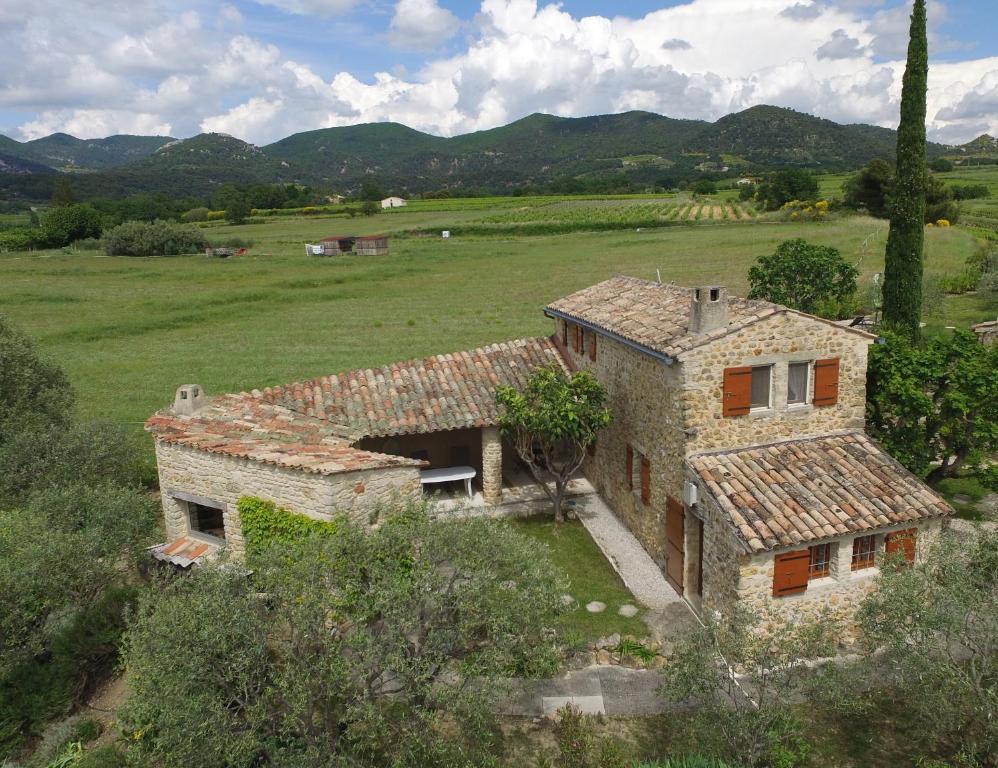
(262, 69)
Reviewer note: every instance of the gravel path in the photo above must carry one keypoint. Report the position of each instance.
(640, 573)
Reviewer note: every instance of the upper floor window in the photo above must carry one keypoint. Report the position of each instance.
(762, 381)
(798, 378)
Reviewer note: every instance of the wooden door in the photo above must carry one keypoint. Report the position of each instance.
(674, 525)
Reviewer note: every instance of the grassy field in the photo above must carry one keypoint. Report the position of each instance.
(128, 331)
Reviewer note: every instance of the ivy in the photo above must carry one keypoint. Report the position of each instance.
(264, 524)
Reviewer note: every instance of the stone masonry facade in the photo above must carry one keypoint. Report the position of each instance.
(776, 341)
(835, 596)
(223, 480)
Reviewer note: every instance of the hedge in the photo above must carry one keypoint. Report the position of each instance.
(264, 523)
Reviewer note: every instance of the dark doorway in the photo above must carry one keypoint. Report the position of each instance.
(205, 519)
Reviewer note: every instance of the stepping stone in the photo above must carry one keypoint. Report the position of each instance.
(628, 610)
(596, 607)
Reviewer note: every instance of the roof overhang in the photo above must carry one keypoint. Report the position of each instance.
(667, 359)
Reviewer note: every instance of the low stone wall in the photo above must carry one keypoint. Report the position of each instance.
(224, 480)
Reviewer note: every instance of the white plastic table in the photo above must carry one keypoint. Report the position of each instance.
(448, 474)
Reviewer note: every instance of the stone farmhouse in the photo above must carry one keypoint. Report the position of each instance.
(736, 455)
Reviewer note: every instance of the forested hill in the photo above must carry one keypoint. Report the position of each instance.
(641, 147)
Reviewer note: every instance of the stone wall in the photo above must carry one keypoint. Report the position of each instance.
(643, 397)
(224, 480)
(722, 551)
(775, 341)
(837, 595)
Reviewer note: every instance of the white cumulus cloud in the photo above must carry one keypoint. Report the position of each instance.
(421, 24)
(147, 66)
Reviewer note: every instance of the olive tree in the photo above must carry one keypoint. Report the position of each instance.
(743, 683)
(934, 626)
(551, 424)
(359, 648)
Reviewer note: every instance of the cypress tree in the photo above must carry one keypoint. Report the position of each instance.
(906, 239)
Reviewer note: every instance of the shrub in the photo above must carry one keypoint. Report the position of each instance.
(580, 747)
(970, 191)
(21, 239)
(156, 238)
(64, 224)
(355, 649)
(195, 214)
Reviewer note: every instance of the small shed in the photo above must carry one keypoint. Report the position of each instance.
(337, 244)
(371, 245)
(394, 202)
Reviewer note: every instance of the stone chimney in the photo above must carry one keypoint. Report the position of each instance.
(709, 309)
(189, 398)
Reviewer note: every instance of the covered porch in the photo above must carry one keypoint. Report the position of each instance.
(469, 467)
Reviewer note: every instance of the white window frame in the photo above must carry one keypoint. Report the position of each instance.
(807, 384)
(769, 403)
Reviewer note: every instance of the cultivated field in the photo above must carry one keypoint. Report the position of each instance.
(130, 330)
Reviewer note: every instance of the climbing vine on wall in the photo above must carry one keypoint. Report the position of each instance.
(264, 523)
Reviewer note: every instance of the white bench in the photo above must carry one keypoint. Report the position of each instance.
(447, 475)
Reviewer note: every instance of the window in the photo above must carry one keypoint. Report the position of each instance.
(639, 474)
(592, 347)
(821, 561)
(761, 378)
(864, 551)
(205, 519)
(564, 333)
(798, 375)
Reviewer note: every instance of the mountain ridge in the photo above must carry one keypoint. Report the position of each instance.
(537, 149)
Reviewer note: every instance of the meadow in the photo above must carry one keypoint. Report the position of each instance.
(130, 330)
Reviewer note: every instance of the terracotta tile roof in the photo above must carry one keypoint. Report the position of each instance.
(442, 392)
(656, 315)
(187, 550)
(800, 491)
(243, 426)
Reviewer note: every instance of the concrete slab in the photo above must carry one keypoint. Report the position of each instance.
(631, 691)
(587, 705)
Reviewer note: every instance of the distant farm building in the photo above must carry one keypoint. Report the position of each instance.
(365, 245)
(394, 202)
(372, 245)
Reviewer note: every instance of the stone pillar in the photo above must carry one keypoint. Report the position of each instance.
(491, 466)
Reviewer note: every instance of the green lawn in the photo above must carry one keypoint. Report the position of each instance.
(590, 576)
(129, 331)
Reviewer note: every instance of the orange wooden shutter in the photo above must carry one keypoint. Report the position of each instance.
(737, 399)
(592, 346)
(790, 571)
(645, 481)
(826, 381)
(564, 333)
(630, 468)
(903, 542)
